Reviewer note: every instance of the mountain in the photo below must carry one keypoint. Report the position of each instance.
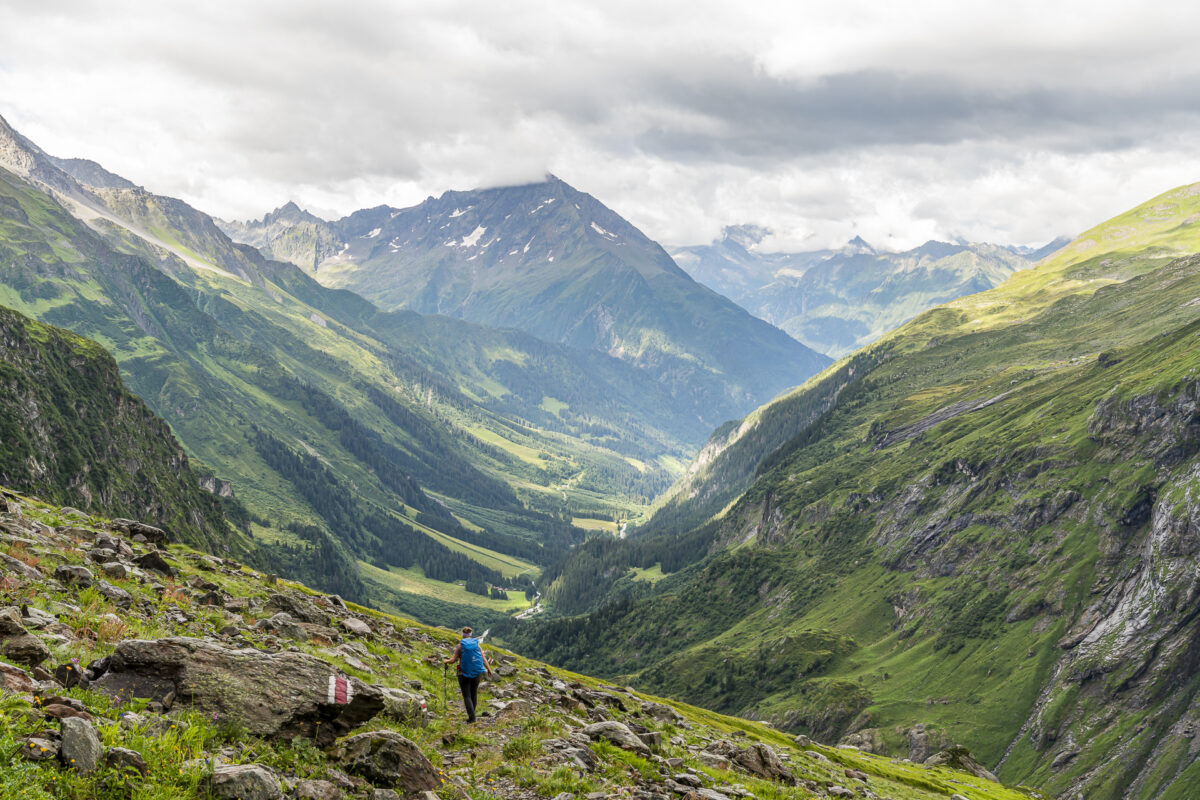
(555, 262)
(980, 529)
(72, 433)
(288, 234)
(434, 450)
(836, 301)
(219, 681)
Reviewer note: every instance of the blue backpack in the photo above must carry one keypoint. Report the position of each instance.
(471, 658)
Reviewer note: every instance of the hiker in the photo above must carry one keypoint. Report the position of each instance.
(472, 663)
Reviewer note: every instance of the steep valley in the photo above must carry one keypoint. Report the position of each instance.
(978, 532)
(979, 529)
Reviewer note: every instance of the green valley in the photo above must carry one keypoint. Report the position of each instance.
(978, 530)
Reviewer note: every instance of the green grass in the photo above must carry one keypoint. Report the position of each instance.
(588, 524)
(414, 581)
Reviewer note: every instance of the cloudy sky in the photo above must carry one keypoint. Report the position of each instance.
(1010, 122)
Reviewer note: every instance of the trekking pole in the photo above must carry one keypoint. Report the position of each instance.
(445, 703)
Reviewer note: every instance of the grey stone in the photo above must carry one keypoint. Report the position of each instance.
(400, 704)
(139, 531)
(119, 596)
(37, 748)
(81, 749)
(154, 561)
(25, 649)
(15, 679)
(619, 734)
(387, 759)
(282, 624)
(125, 760)
(661, 712)
(299, 609)
(74, 574)
(356, 626)
(244, 782)
(959, 757)
(273, 694)
(316, 790)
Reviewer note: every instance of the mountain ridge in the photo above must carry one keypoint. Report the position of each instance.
(555, 262)
(837, 300)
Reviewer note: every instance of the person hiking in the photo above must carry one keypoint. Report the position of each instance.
(472, 664)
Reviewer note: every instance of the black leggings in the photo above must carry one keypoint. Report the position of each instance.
(470, 693)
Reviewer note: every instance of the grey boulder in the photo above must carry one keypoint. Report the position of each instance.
(275, 695)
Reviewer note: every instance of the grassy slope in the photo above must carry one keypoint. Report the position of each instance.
(500, 759)
(198, 355)
(919, 582)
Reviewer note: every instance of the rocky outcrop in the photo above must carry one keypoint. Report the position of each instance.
(272, 694)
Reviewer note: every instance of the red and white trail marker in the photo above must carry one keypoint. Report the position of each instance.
(340, 690)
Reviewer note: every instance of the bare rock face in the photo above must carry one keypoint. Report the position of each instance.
(388, 760)
(275, 695)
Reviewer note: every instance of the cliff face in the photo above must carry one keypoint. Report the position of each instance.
(71, 432)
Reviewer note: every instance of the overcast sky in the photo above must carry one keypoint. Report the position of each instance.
(988, 121)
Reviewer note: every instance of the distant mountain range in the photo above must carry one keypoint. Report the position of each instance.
(554, 262)
(836, 301)
(431, 448)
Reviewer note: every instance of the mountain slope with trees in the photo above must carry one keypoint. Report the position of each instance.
(981, 530)
(550, 260)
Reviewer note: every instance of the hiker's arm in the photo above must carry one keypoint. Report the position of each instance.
(457, 655)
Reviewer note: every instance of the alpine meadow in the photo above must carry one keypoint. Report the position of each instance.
(581, 401)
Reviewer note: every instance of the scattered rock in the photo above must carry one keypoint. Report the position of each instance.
(400, 704)
(385, 758)
(282, 624)
(244, 782)
(60, 711)
(705, 794)
(81, 749)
